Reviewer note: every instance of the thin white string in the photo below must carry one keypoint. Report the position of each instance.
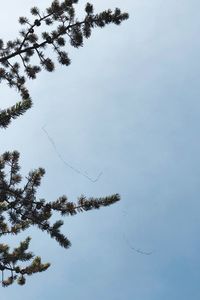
(66, 163)
(138, 250)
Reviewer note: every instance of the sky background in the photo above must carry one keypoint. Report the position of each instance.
(128, 106)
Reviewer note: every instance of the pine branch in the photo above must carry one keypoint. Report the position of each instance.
(61, 15)
(10, 263)
(20, 209)
(14, 111)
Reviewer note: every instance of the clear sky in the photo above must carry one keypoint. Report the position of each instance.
(128, 106)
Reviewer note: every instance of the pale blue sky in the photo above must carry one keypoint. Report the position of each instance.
(128, 106)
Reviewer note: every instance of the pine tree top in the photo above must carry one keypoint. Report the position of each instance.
(22, 59)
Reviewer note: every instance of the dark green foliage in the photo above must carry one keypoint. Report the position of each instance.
(16, 56)
(14, 111)
(19, 206)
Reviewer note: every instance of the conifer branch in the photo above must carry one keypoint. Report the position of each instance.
(6, 115)
(61, 15)
(20, 209)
